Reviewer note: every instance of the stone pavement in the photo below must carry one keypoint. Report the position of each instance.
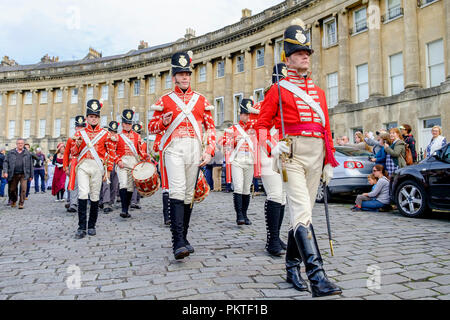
(377, 255)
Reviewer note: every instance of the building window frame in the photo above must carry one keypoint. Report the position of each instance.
(42, 124)
(202, 73)
(392, 76)
(168, 81)
(363, 27)
(327, 42)
(152, 85)
(28, 98)
(58, 96)
(136, 88)
(74, 96)
(105, 92)
(43, 97)
(392, 13)
(1, 98)
(424, 3)
(260, 57)
(278, 48)
(258, 95)
(360, 85)
(236, 108)
(11, 129)
(26, 129)
(57, 128)
(120, 90)
(72, 127)
(429, 67)
(333, 91)
(89, 93)
(13, 99)
(219, 115)
(220, 69)
(240, 63)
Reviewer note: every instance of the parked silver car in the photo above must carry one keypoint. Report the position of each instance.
(350, 178)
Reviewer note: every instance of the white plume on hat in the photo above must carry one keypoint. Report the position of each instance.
(190, 54)
(298, 22)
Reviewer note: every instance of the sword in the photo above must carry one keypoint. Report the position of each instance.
(287, 140)
(327, 215)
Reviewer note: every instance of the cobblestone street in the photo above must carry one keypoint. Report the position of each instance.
(133, 259)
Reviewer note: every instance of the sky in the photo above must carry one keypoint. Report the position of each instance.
(67, 28)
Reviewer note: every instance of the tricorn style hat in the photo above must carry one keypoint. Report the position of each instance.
(279, 72)
(296, 38)
(80, 122)
(127, 116)
(113, 126)
(137, 128)
(93, 108)
(181, 62)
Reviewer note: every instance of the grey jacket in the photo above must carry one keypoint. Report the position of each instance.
(381, 191)
(373, 143)
(398, 153)
(10, 163)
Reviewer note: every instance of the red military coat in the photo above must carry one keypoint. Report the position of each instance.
(123, 149)
(296, 113)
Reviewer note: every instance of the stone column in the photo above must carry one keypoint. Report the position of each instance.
(210, 81)
(411, 45)
(142, 95)
(447, 36)
(111, 100)
(19, 113)
(268, 61)
(82, 91)
(375, 63)
(344, 58)
(228, 85)
(126, 101)
(248, 87)
(34, 123)
(4, 123)
(50, 116)
(65, 110)
(316, 58)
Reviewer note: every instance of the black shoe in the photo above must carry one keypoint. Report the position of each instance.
(80, 234)
(272, 214)
(245, 204)
(107, 210)
(237, 200)
(176, 213)
(92, 232)
(72, 210)
(136, 206)
(101, 206)
(309, 251)
(293, 262)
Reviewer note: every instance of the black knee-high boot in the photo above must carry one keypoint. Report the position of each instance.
(124, 202)
(245, 204)
(293, 262)
(166, 208)
(237, 200)
(82, 209)
(309, 250)
(282, 244)
(129, 197)
(176, 213)
(186, 220)
(272, 214)
(93, 215)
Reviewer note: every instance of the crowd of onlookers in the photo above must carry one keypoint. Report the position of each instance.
(21, 166)
(391, 150)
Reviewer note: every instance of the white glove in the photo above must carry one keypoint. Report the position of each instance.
(327, 174)
(280, 148)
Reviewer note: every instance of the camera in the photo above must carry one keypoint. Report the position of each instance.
(377, 133)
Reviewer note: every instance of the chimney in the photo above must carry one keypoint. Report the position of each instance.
(142, 45)
(190, 33)
(7, 62)
(93, 54)
(47, 59)
(246, 13)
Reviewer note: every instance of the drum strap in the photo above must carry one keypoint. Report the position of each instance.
(240, 143)
(90, 146)
(187, 113)
(130, 145)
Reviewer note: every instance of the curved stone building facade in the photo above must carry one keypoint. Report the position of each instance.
(382, 63)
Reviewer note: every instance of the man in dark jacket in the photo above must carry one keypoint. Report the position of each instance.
(3, 181)
(409, 140)
(18, 168)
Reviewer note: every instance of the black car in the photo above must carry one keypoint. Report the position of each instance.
(418, 189)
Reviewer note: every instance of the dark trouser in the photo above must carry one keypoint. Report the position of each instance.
(136, 198)
(208, 176)
(82, 215)
(13, 187)
(3, 183)
(39, 173)
(60, 195)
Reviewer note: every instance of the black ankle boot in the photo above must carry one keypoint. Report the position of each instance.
(166, 208)
(187, 219)
(282, 244)
(176, 213)
(237, 200)
(272, 212)
(245, 204)
(293, 262)
(309, 250)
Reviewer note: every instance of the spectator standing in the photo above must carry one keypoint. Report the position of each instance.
(374, 143)
(33, 158)
(217, 170)
(40, 171)
(51, 171)
(345, 141)
(397, 150)
(409, 140)
(380, 194)
(59, 177)
(360, 143)
(18, 168)
(437, 142)
(380, 156)
(3, 181)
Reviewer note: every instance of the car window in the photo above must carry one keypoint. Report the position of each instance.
(352, 152)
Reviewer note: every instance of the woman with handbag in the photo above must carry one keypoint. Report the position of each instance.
(397, 150)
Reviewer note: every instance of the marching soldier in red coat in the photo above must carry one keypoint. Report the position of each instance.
(311, 155)
(179, 118)
(129, 153)
(95, 154)
(136, 198)
(240, 143)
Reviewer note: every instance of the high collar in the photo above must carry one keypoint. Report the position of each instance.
(293, 73)
(242, 124)
(179, 91)
(90, 128)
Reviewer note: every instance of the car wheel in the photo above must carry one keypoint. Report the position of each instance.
(320, 194)
(411, 200)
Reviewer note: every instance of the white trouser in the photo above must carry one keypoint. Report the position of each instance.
(126, 180)
(272, 181)
(182, 158)
(90, 178)
(304, 172)
(242, 173)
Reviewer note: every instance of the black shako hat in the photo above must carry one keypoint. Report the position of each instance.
(80, 122)
(137, 128)
(127, 116)
(93, 108)
(246, 105)
(181, 62)
(280, 71)
(296, 38)
(113, 126)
